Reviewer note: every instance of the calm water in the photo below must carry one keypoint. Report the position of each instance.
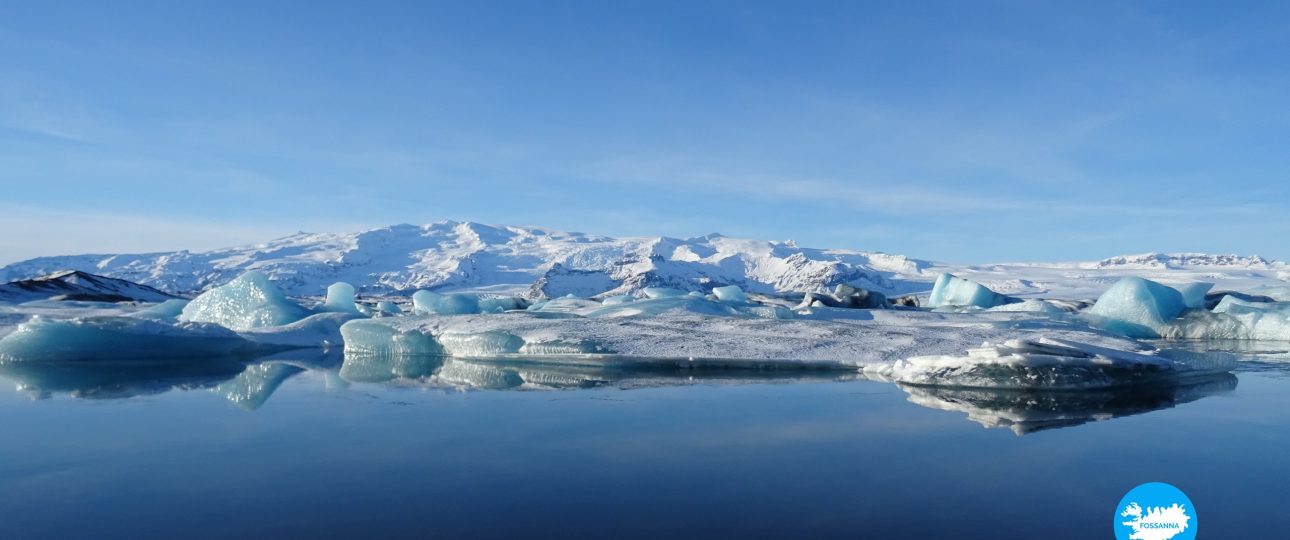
(291, 448)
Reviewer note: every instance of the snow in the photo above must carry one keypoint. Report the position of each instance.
(951, 291)
(540, 263)
(249, 301)
(81, 286)
(1138, 308)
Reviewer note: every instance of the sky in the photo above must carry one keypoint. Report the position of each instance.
(956, 131)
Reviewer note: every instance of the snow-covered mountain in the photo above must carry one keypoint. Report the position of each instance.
(77, 285)
(450, 255)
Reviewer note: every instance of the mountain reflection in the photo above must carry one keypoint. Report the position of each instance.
(1029, 411)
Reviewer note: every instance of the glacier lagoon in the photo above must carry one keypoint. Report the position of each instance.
(753, 387)
(309, 443)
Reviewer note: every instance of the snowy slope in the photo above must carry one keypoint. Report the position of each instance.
(451, 255)
(77, 285)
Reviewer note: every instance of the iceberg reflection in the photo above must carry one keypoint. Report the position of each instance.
(1026, 412)
(111, 380)
(522, 373)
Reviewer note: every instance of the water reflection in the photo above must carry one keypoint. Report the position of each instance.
(1027, 411)
(117, 380)
(250, 385)
(521, 373)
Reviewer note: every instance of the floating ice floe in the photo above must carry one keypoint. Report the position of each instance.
(955, 291)
(249, 301)
(1047, 363)
(432, 303)
(116, 338)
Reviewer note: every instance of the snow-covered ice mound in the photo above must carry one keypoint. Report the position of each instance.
(1047, 363)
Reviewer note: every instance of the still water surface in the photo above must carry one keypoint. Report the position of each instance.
(293, 447)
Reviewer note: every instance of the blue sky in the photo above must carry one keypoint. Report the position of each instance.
(958, 131)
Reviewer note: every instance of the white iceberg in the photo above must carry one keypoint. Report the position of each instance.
(1137, 308)
(249, 301)
(952, 291)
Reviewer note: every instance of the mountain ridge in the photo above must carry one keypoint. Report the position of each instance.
(456, 255)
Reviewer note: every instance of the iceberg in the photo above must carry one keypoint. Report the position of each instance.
(1137, 308)
(499, 304)
(615, 300)
(853, 297)
(1194, 293)
(1234, 319)
(952, 291)
(109, 338)
(165, 311)
(656, 306)
(249, 301)
(489, 343)
(340, 299)
(430, 303)
(388, 308)
(423, 302)
(662, 292)
(1030, 305)
(730, 294)
(373, 337)
(1048, 364)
